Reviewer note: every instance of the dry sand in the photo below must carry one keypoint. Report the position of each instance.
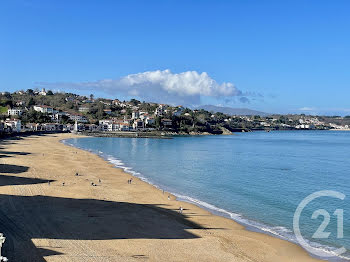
(113, 221)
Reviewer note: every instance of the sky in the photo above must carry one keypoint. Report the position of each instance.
(272, 56)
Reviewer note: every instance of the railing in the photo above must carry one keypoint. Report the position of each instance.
(2, 241)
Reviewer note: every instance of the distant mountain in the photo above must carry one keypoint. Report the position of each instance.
(233, 111)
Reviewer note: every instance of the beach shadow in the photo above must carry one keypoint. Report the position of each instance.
(14, 153)
(23, 218)
(20, 136)
(26, 217)
(15, 180)
(13, 169)
(18, 238)
(47, 252)
(4, 154)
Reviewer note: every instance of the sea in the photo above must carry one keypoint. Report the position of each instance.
(257, 179)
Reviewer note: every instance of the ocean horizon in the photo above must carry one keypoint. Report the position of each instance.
(257, 179)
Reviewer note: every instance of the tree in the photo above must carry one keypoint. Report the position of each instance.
(31, 102)
(157, 122)
(65, 119)
(49, 93)
(134, 102)
(30, 92)
(100, 113)
(35, 117)
(256, 117)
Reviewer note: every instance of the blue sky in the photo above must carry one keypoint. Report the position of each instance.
(281, 56)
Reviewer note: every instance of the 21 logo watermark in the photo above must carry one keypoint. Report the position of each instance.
(320, 232)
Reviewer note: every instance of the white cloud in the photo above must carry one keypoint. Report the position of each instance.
(307, 109)
(160, 86)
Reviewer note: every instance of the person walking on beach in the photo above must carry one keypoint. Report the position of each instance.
(181, 209)
(63, 184)
(168, 197)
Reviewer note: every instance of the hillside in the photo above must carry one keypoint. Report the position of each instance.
(233, 111)
(107, 114)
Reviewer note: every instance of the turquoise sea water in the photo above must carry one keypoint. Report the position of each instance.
(256, 178)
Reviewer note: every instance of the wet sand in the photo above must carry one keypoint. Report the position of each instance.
(112, 221)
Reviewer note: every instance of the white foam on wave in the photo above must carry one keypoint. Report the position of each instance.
(65, 142)
(120, 164)
(277, 231)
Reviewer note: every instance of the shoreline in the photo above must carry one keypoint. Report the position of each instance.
(345, 129)
(250, 225)
(214, 238)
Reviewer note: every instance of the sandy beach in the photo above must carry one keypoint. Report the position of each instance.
(112, 221)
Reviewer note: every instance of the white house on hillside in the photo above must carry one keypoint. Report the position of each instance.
(14, 124)
(160, 110)
(149, 121)
(78, 118)
(135, 115)
(138, 124)
(84, 109)
(44, 109)
(43, 92)
(14, 111)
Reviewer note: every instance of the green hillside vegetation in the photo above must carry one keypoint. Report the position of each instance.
(3, 110)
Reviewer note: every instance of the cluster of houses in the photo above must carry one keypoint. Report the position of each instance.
(309, 123)
(335, 126)
(125, 124)
(15, 126)
(42, 92)
(304, 122)
(57, 115)
(139, 121)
